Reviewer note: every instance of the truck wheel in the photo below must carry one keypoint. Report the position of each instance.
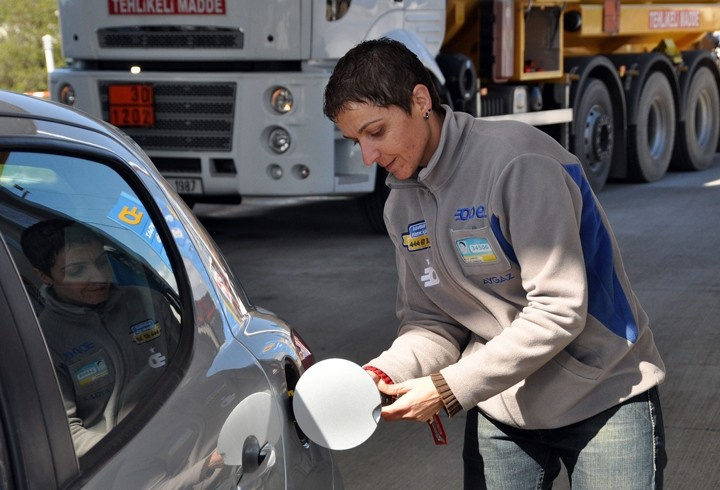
(460, 80)
(593, 128)
(651, 139)
(373, 204)
(698, 137)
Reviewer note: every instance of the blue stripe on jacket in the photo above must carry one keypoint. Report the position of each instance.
(607, 301)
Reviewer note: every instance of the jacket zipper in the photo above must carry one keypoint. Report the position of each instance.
(441, 261)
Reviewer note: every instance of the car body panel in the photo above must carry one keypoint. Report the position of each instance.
(237, 356)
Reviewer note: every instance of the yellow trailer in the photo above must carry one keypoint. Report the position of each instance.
(634, 84)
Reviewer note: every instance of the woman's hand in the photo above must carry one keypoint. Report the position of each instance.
(418, 399)
(374, 376)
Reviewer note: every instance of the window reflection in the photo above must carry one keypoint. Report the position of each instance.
(100, 280)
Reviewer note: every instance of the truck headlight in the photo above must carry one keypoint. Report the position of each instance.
(281, 100)
(67, 95)
(279, 140)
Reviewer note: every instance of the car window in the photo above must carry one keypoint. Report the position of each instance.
(101, 282)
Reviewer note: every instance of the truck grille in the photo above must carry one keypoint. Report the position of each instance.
(171, 37)
(188, 116)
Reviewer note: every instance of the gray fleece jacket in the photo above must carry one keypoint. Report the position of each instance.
(511, 282)
(107, 357)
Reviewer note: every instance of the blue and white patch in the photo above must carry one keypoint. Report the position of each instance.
(91, 373)
(417, 237)
(475, 250)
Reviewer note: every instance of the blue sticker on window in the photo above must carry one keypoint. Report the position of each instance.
(130, 213)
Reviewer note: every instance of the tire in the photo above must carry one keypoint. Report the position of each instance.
(373, 204)
(651, 142)
(593, 139)
(697, 138)
(460, 80)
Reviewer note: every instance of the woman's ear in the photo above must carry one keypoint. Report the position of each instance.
(421, 98)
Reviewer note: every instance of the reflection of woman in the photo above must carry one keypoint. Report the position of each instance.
(536, 331)
(109, 343)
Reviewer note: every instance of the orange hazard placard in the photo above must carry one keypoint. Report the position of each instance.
(131, 105)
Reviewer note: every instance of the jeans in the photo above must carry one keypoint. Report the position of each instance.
(622, 448)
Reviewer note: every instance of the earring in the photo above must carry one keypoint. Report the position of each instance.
(426, 116)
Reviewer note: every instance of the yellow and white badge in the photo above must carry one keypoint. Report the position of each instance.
(417, 237)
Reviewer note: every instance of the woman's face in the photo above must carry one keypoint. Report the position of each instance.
(81, 274)
(399, 142)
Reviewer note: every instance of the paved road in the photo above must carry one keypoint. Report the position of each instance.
(318, 266)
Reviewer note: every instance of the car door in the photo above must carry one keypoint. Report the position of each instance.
(211, 390)
(35, 443)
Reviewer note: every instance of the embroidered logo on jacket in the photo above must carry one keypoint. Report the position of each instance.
(156, 359)
(145, 331)
(429, 277)
(78, 350)
(416, 238)
(465, 214)
(499, 279)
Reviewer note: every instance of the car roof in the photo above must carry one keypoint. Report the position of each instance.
(25, 115)
(14, 104)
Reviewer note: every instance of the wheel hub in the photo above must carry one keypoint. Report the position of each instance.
(598, 135)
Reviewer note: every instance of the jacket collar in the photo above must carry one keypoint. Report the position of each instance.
(51, 301)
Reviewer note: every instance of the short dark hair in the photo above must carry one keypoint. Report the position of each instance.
(382, 72)
(42, 242)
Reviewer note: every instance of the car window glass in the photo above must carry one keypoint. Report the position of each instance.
(100, 280)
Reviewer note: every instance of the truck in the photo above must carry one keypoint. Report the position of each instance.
(226, 96)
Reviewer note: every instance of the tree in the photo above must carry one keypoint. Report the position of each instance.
(22, 58)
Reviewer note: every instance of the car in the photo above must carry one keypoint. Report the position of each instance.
(216, 411)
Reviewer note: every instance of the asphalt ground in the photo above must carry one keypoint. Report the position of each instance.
(318, 266)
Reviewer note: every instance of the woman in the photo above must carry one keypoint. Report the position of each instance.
(109, 343)
(513, 301)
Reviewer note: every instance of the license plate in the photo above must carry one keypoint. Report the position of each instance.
(186, 186)
(131, 105)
